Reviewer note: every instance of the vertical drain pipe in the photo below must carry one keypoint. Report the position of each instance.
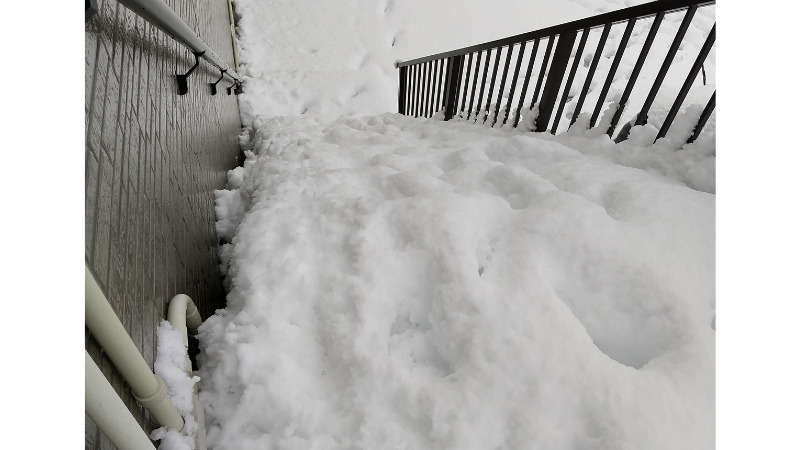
(148, 388)
(106, 409)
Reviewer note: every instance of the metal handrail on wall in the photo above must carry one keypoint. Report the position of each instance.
(445, 80)
(163, 17)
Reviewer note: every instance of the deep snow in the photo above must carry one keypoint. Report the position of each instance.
(300, 58)
(408, 283)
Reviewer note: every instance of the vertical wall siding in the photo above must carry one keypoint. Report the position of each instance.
(153, 159)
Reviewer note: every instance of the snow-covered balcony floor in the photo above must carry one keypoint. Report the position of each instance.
(408, 283)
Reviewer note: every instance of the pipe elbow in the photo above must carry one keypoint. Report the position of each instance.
(183, 312)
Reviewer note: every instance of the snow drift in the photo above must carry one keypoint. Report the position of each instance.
(409, 283)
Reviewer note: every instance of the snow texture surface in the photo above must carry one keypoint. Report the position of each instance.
(410, 283)
(170, 365)
(407, 283)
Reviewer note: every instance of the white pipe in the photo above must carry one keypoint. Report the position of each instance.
(106, 409)
(233, 35)
(148, 388)
(183, 316)
(162, 16)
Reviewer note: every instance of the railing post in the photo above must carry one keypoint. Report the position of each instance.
(557, 69)
(401, 95)
(454, 66)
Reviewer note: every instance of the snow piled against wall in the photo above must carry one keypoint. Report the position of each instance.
(170, 365)
(409, 283)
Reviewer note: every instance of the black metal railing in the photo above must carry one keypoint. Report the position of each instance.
(454, 85)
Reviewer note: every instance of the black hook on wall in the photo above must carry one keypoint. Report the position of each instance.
(183, 80)
(235, 88)
(214, 84)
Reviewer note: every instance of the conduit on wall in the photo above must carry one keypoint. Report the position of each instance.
(106, 409)
(103, 404)
(148, 388)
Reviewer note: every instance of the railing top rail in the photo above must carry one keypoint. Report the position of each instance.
(620, 15)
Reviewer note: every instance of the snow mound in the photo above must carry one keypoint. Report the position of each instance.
(409, 283)
(170, 365)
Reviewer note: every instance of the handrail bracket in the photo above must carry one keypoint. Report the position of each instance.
(183, 80)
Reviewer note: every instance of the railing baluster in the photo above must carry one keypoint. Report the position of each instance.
(554, 78)
(435, 88)
(466, 82)
(641, 118)
(418, 103)
(483, 83)
(423, 89)
(491, 85)
(596, 59)
(427, 90)
(611, 71)
(514, 82)
(712, 102)
(443, 67)
(455, 65)
(698, 62)
(422, 71)
(545, 62)
(432, 99)
(431, 87)
(401, 94)
(413, 90)
(570, 78)
(648, 42)
(503, 85)
(439, 88)
(435, 91)
(526, 81)
(458, 67)
(474, 84)
(442, 81)
(409, 89)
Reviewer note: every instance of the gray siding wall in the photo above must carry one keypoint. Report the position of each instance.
(153, 159)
